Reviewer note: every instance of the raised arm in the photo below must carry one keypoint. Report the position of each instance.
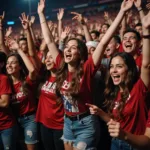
(145, 69)
(137, 4)
(31, 22)
(60, 15)
(99, 52)
(32, 73)
(2, 44)
(81, 20)
(31, 46)
(46, 32)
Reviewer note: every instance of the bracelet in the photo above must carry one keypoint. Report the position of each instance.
(146, 36)
(43, 22)
(140, 10)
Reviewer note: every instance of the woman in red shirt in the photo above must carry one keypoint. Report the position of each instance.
(23, 100)
(50, 112)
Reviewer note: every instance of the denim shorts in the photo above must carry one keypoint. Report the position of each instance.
(8, 138)
(28, 126)
(80, 133)
(117, 144)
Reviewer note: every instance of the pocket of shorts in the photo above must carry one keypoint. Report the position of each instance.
(87, 120)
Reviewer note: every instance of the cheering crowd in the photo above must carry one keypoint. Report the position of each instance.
(83, 90)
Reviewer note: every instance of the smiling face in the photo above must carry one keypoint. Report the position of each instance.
(118, 70)
(49, 61)
(130, 43)
(111, 48)
(71, 52)
(12, 65)
(23, 45)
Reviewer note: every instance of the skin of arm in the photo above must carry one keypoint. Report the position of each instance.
(46, 32)
(145, 69)
(99, 52)
(31, 47)
(60, 15)
(2, 44)
(80, 18)
(4, 101)
(141, 142)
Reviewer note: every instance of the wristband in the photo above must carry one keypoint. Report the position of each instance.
(146, 36)
(43, 22)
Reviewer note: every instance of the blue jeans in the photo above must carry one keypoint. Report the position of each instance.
(29, 127)
(51, 138)
(117, 144)
(8, 138)
(81, 133)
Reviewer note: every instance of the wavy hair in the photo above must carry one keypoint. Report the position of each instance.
(63, 72)
(112, 90)
(23, 74)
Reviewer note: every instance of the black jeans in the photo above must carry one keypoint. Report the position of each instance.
(51, 138)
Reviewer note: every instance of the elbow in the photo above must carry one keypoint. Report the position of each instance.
(5, 104)
(146, 65)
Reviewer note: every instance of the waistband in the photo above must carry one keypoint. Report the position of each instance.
(78, 117)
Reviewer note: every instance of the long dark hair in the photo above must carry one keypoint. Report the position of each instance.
(23, 73)
(112, 90)
(63, 72)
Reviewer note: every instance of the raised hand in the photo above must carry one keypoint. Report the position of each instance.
(137, 3)
(41, 6)
(146, 20)
(24, 21)
(8, 31)
(50, 25)
(78, 17)
(65, 33)
(60, 14)
(2, 17)
(13, 45)
(32, 20)
(126, 5)
(106, 15)
(148, 5)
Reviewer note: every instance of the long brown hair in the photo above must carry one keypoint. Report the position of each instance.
(63, 72)
(112, 90)
(23, 74)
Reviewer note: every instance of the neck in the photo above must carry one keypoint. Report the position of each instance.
(53, 73)
(15, 78)
(71, 68)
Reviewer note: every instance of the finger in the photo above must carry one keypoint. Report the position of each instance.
(74, 13)
(90, 105)
(75, 18)
(3, 14)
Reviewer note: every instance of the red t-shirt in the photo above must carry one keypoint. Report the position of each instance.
(138, 61)
(23, 103)
(135, 110)
(85, 92)
(7, 119)
(49, 112)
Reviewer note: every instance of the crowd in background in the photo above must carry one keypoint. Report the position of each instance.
(78, 83)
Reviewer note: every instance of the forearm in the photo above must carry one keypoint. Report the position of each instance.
(59, 28)
(32, 34)
(45, 30)
(31, 46)
(104, 116)
(87, 33)
(26, 61)
(141, 12)
(2, 44)
(141, 142)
